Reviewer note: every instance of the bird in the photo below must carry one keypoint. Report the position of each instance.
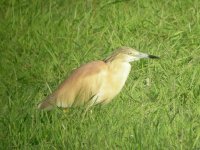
(96, 82)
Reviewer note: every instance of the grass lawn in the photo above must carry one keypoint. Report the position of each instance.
(41, 41)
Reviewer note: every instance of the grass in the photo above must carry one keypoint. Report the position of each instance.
(42, 41)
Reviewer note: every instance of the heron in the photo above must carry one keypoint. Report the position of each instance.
(96, 82)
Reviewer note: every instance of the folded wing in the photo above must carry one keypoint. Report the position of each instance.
(81, 86)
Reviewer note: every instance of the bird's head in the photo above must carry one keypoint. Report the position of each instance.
(127, 54)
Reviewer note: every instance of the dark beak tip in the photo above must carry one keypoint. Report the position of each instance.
(154, 57)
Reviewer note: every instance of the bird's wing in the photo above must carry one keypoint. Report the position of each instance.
(83, 84)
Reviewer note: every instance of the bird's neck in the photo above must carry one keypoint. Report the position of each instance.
(120, 68)
(118, 74)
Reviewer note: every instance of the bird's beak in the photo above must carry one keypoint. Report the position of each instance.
(153, 57)
(143, 55)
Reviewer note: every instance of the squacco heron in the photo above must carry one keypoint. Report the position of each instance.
(96, 82)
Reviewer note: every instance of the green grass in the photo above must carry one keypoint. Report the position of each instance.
(42, 41)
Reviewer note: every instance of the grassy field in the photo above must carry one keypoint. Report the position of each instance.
(41, 41)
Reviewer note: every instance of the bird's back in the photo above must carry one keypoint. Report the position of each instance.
(82, 85)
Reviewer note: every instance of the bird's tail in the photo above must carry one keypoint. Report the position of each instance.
(48, 103)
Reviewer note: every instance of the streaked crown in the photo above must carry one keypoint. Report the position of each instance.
(127, 54)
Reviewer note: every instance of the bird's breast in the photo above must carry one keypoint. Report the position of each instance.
(119, 74)
(116, 78)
